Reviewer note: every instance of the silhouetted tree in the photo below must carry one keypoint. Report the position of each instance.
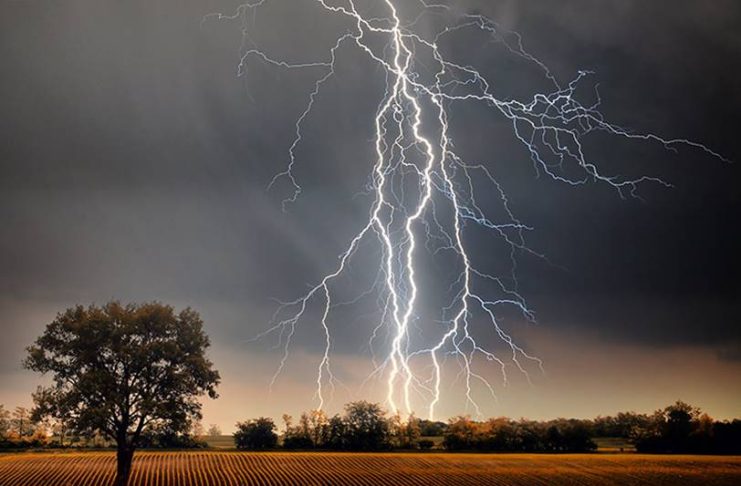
(297, 441)
(296, 437)
(366, 427)
(679, 424)
(336, 433)
(311, 431)
(429, 428)
(675, 429)
(164, 436)
(119, 369)
(576, 436)
(258, 434)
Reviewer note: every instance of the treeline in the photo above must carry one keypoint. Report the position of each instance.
(363, 426)
(19, 430)
(22, 429)
(506, 435)
(682, 428)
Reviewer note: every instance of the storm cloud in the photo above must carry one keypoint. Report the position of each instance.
(134, 164)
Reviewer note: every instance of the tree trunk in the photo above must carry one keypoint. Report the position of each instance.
(124, 457)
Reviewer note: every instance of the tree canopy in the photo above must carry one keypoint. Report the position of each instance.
(256, 434)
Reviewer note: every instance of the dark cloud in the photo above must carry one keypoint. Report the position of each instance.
(134, 164)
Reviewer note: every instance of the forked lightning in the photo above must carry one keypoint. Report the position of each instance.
(414, 148)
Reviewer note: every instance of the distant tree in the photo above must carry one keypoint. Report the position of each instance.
(366, 426)
(336, 433)
(501, 434)
(410, 433)
(649, 436)
(460, 434)
(287, 421)
(40, 435)
(429, 428)
(119, 369)
(624, 423)
(59, 429)
(395, 427)
(303, 430)
(675, 429)
(318, 427)
(404, 433)
(21, 422)
(576, 436)
(162, 435)
(291, 435)
(303, 435)
(213, 430)
(4, 423)
(294, 441)
(258, 434)
(679, 424)
(528, 436)
(196, 429)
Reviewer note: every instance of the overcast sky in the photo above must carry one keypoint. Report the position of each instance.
(134, 165)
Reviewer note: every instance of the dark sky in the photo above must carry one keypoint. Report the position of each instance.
(134, 165)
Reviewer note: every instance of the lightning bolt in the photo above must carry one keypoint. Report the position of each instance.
(413, 143)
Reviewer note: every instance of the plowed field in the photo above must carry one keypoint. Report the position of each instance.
(392, 469)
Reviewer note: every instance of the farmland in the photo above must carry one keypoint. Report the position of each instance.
(271, 468)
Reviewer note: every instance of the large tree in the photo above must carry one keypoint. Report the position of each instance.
(120, 369)
(258, 434)
(21, 423)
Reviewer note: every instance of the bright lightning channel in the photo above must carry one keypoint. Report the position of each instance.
(412, 121)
